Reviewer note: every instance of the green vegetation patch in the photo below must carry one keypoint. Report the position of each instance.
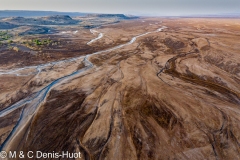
(41, 42)
(4, 35)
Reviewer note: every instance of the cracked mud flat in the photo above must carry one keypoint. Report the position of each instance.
(172, 94)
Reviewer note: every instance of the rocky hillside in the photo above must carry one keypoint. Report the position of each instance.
(32, 30)
(6, 25)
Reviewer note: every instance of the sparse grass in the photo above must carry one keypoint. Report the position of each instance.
(38, 44)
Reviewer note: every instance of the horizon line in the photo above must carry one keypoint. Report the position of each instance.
(133, 14)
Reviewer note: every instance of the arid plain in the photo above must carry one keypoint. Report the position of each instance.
(142, 88)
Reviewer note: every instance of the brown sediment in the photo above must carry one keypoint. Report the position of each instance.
(120, 109)
(170, 68)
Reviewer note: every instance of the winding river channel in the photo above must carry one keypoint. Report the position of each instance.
(31, 104)
(95, 39)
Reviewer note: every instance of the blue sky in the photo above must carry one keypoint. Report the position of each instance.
(142, 7)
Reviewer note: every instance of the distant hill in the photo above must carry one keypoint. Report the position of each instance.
(13, 13)
(118, 16)
(49, 20)
(6, 25)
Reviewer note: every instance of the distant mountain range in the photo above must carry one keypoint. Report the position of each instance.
(17, 13)
(220, 15)
(23, 13)
(35, 21)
